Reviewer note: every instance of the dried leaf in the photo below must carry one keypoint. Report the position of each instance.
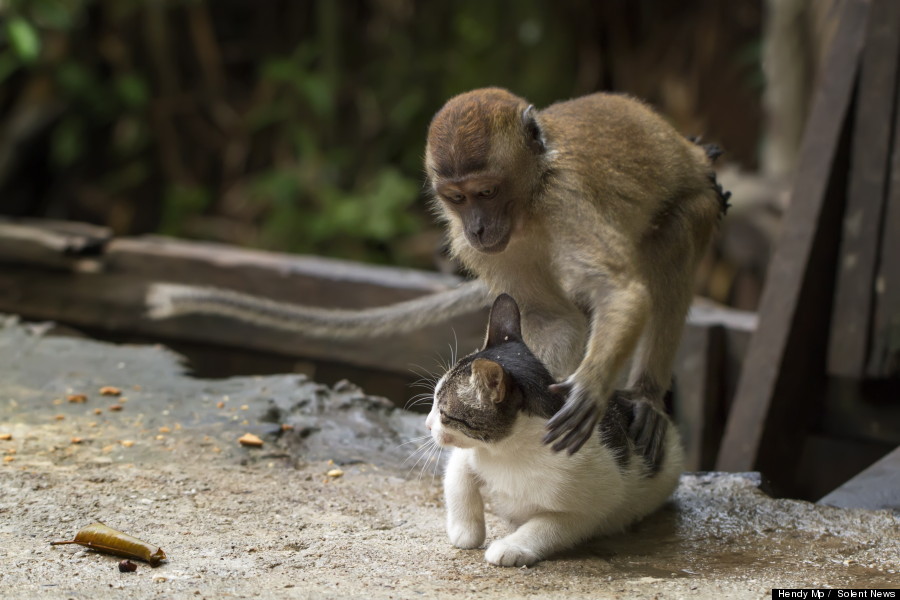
(105, 539)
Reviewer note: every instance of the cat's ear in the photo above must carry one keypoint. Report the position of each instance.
(490, 380)
(504, 323)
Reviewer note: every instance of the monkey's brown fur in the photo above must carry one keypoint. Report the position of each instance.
(592, 214)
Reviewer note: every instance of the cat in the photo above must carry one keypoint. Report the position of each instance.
(492, 407)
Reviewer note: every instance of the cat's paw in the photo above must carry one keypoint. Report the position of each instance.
(506, 554)
(466, 535)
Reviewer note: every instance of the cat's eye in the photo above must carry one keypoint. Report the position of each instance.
(445, 418)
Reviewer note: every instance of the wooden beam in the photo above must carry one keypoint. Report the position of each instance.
(786, 357)
(876, 107)
(699, 369)
(46, 243)
(884, 361)
(875, 488)
(311, 280)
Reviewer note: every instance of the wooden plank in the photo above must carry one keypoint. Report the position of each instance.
(786, 358)
(46, 243)
(885, 358)
(310, 280)
(699, 368)
(875, 488)
(876, 105)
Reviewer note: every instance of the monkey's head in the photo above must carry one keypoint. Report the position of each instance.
(484, 161)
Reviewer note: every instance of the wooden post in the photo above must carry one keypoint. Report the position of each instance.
(876, 106)
(786, 359)
(885, 359)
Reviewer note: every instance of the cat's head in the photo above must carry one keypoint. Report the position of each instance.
(479, 399)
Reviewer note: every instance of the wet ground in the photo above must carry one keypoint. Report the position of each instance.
(334, 503)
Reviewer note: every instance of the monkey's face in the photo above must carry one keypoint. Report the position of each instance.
(483, 162)
(483, 207)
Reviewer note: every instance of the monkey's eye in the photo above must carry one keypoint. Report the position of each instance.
(488, 192)
(456, 198)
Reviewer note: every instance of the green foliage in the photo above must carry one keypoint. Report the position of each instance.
(23, 39)
(293, 126)
(180, 203)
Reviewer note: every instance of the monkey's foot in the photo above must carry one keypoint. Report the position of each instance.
(647, 430)
(575, 422)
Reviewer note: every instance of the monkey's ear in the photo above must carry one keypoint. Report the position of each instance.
(490, 380)
(534, 134)
(505, 323)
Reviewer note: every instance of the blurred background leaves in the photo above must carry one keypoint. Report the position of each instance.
(299, 125)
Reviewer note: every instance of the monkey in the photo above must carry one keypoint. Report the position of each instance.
(593, 213)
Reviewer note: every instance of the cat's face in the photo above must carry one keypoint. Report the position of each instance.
(474, 404)
(478, 401)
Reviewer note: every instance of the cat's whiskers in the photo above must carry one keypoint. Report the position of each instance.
(435, 449)
(420, 450)
(426, 377)
(423, 398)
(426, 381)
(454, 349)
(428, 385)
(412, 441)
(437, 464)
(424, 451)
(442, 363)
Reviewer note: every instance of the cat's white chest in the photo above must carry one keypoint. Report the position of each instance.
(526, 477)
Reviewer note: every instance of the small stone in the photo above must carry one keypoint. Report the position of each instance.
(109, 390)
(126, 566)
(248, 439)
(335, 473)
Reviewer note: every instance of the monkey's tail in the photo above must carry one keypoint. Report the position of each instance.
(166, 300)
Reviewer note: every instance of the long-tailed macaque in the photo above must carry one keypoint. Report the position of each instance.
(591, 213)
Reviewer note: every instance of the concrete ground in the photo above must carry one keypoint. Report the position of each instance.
(270, 522)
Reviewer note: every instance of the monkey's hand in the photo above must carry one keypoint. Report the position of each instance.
(647, 429)
(577, 420)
